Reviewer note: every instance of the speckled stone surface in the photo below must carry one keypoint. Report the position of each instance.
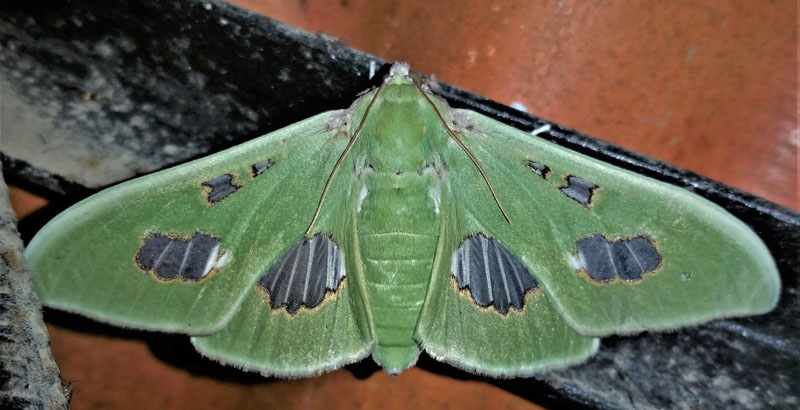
(29, 377)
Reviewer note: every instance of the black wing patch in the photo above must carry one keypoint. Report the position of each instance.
(261, 167)
(492, 273)
(579, 190)
(627, 259)
(539, 169)
(304, 274)
(221, 187)
(171, 257)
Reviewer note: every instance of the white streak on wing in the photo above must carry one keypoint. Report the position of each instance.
(466, 268)
(485, 251)
(543, 128)
(335, 266)
(454, 266)
(308, 272)
(294, 269)
(340, 273)
(576, 263)
(361, 195)
(611, 258)
(517, 278)
(460, 266)
(502, 271)
(185, 256)
(635, 258)
(330, 267)
(212, 261)
(161, 256)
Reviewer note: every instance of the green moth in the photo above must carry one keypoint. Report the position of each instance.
(395, 226)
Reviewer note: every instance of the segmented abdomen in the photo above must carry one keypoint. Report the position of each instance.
(398, 227)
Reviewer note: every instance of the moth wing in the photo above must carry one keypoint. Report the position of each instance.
(288, 339)
(485, 311)
(308, 313)
(614, 251)
(181, 249)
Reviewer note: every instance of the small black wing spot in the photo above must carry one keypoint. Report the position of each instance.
(492, 273)
(261, 167)
(221, 187)
(539, 169)
(171, 257)
(627, 259)
(579, 190)
(304, 274)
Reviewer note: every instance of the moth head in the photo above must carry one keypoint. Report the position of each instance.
(400, 73)
(399, 68)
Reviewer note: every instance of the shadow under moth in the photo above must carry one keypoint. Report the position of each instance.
(396, 226)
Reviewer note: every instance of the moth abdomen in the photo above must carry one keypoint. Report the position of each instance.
(397, 225)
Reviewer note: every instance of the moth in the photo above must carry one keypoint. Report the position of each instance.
(396, 226)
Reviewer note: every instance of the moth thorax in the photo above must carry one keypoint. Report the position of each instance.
(400, 142)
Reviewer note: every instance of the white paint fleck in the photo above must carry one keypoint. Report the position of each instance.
(223, 21)
(542, 129)
(207, 6)
(371, 69)
(690, 53)
(794, 136)
(519, 106)
(472, 55)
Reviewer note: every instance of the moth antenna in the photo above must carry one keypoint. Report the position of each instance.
(466, 150)
(341, 159)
